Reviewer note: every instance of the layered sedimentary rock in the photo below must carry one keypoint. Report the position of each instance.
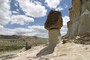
(79, 15)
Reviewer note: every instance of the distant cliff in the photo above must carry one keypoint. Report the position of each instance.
(79, 14)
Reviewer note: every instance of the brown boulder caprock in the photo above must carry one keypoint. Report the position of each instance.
(54, 20)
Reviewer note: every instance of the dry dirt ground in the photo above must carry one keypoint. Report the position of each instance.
(68, 51)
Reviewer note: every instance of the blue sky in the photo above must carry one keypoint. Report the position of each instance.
(27, 17)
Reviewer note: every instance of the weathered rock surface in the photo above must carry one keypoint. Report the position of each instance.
(68, 51)
(83, 39)
(79, 18)
(54, 20)
(53, 24)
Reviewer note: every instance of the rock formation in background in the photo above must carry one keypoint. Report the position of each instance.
(79, 15)
(53, 25)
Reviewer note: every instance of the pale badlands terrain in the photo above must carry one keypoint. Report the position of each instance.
(68, 51)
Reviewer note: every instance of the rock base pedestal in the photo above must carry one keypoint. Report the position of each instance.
(53, 36)
(53, 41)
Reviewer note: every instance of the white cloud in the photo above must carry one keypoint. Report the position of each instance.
(66, 5)
(22, 31)
(32, 9)
(37, 2)
(5, 31)
(53, 3)
(64, 28)
(21, 19)
(15, 12)
(39, 31)
(65, 20)
(61, 8)
(30, 31)
(4, 12)
(16, 4)
(1, 27)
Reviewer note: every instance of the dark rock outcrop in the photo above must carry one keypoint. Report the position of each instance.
(54, 20)
(79, 18)
(84, 38)
(28, 46)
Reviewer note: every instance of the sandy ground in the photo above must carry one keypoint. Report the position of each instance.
(68, 51)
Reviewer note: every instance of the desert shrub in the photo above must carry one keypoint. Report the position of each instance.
(12, 47)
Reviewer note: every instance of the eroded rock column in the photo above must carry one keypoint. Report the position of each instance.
(84, 25)
(53, 25)
(53, 37)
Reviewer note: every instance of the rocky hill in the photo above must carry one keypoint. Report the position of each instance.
(14, 42)
(31, 39)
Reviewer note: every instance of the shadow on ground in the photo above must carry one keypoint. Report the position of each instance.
(46, 50)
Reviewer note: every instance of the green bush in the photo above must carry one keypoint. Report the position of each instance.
(12, 47)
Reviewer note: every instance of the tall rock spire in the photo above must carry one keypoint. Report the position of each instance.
(79, 15)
